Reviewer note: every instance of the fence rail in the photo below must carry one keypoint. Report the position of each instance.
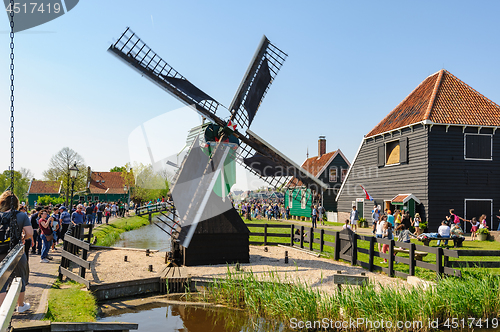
(76, 250)
(345, 246)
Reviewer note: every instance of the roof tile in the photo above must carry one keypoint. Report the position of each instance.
(44, 187)
(106, 183)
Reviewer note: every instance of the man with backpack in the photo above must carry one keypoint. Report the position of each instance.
(9, 237)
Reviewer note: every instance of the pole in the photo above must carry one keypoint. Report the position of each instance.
(72, 190)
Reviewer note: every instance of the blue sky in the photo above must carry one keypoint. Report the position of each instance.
(349, 64)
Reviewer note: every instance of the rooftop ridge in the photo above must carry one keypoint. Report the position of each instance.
(437, 85)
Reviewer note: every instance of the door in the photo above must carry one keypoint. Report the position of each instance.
(477, 207)
(360, 204)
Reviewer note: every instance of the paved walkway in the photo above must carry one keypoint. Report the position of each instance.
(42, 276)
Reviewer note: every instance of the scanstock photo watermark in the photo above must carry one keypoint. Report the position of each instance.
(29, 14)
(363, 324)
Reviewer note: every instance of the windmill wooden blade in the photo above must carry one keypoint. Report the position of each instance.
(131, 49)
(264, 67)
(265, 161)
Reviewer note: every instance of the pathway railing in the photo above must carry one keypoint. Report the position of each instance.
(153, 208)
(75, 251)
(7, 266)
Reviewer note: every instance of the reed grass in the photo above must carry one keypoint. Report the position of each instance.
(275, 298)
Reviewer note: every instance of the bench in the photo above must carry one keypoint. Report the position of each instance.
(344, 279)
(418, 254)
(456, 244)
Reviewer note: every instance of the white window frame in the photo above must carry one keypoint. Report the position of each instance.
(465, 146)
(330, 176)
(385, 157)
(290, 199)
(303, 199)
(478, 199)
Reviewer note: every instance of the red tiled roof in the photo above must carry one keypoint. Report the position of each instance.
(399, 198)
(106, 183)
(313, 165)
(441, 98)
(44, 187)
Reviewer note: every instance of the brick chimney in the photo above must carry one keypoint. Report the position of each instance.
(321, 146)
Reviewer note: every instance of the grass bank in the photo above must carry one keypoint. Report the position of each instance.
(69, 303)
(107, 235)
(475, 295)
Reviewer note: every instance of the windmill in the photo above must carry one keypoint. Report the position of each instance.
(227, 136)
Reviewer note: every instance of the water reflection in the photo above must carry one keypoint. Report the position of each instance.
(147, 237)
(170, 318)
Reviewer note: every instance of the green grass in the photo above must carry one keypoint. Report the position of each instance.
(475, 295)
(107, 235)
(69, 303)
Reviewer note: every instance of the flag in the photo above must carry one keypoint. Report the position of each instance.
(368, 196)
(231, 125)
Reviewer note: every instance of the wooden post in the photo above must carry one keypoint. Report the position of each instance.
(302, 236)
(150, 218)
(371, 254)
(412, 259)
(321, 239)
(265, 234)
(84, 257)
(391, 259)
(91, 226)
(292, 234)
(354, 252)
(336, 252)
(439, 263)
(311, 238)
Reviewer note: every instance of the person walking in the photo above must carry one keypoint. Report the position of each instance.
(314, 215)
(354, 219)
(46, 235)
(65, 219)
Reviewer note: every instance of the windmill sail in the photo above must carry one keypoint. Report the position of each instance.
(264, 67)
(131, 49)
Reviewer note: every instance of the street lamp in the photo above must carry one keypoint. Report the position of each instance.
(73, 173)
(126, 191)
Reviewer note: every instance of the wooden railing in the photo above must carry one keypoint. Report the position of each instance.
(474, 253)
(153, 208)
(75, 250)
(345, 247)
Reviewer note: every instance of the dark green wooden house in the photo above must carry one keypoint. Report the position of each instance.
(104, 187)
(331, 168)
(441, 144)
(43, 188)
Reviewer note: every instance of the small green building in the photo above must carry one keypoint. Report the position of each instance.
(43, 188)
(331, 168)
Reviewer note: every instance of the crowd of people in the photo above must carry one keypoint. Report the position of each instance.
(263, 208)
(43, 227)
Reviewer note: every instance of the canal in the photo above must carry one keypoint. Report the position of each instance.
(147, 237)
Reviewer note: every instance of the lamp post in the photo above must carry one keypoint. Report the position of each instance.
(73, 173)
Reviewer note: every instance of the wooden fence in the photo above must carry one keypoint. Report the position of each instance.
(75, 250)
(153, 208)
(346, 246)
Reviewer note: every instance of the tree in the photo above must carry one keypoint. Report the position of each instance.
(59, 166)
(118, 169)
(146, 183)
(22, 180)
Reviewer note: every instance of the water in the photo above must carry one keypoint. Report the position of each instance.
(147, 237)
(168, 318)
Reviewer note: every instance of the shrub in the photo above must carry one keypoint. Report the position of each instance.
(483, 231)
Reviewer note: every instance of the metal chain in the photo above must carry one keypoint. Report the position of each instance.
(12, 97)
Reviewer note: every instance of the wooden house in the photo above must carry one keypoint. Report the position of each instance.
(331, 168)
(104, 187)
(439, 147)
(43, 188)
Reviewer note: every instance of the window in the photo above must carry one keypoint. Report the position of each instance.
(333, 174)
(290, 199)
(303, 199)
(96, 198)
(344, 174)
(478, 147)
(393, 153)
